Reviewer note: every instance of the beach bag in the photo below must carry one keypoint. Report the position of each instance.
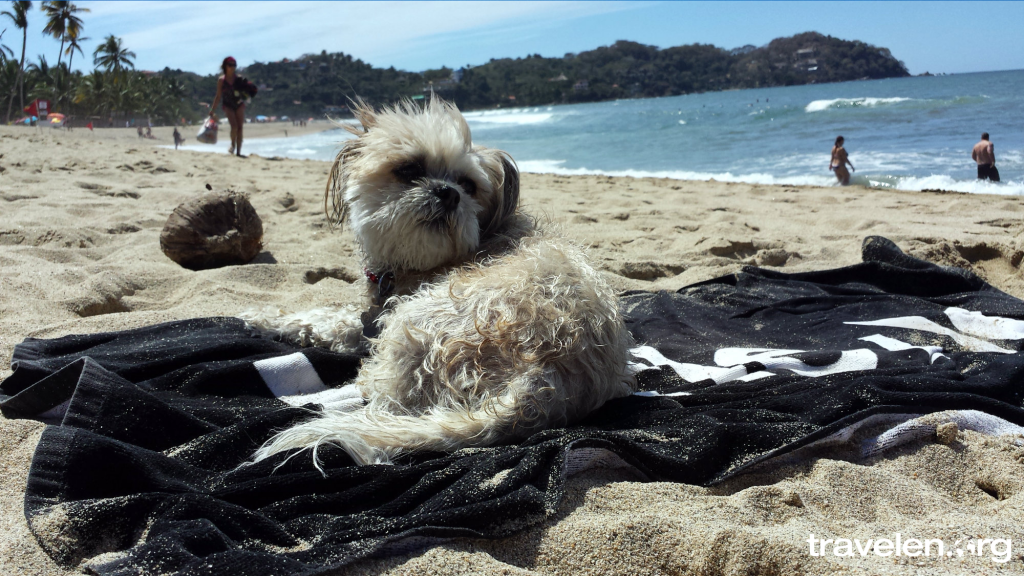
(993, 174)
(208, 133)
(250, 88)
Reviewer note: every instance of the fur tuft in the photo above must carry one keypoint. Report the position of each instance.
(336, 328)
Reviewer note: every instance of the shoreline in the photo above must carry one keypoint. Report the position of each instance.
(79, 245)
(163, 135)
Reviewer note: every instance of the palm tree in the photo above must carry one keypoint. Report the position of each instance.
(93, 92)
(61, 21)
(42, 68)
(9, 76)
(73, 46)
(20, 18)
(4, 50)
(128, 94)
(54, 22)
(113, 56)
(42, 79)
(72, 26)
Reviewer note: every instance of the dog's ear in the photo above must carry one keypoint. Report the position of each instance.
(505, 178)
(337, 181)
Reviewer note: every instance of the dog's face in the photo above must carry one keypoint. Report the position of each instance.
(417, 193)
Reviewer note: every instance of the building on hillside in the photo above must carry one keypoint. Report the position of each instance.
(441, 86)
(805, 60)
(581, 86)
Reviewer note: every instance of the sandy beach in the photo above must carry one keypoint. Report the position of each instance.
(80, 218)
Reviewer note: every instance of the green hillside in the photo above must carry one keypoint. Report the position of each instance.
(315, 84)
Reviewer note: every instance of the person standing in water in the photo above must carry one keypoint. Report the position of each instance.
(232, 93)
(839, 162)
(984, 153)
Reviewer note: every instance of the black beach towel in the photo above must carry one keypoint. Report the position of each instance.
(142, 464)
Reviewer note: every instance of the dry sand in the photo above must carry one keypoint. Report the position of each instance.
(80, 217)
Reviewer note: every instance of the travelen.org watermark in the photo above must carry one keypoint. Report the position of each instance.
(999, 549)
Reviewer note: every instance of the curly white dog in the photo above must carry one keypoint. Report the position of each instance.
(489, 329)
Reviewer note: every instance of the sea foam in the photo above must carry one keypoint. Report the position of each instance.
(556, 167)
(944, 182)
(909, 183)
(819, 105)
(515, 116)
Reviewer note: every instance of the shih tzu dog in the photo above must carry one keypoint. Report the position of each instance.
(484, 329)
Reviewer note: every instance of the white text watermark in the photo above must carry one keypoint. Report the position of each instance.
(1000, 550)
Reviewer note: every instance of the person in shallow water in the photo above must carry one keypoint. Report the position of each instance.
(984, 153)
(839, 162)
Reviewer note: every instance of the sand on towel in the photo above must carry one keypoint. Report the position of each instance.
(80, 217)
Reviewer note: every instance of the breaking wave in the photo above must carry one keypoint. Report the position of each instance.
(819, 105)
(909, 183)
(514, 116)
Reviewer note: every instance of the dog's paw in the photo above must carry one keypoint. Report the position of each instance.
(338, 329)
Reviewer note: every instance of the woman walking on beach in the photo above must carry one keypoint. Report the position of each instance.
(232, 92)
(839, 162)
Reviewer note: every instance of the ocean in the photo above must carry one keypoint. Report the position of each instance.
(904, 133)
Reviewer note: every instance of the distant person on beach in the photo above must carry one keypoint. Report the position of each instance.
(984, 153)
(177, 138)
(232, 92)
(839, 162)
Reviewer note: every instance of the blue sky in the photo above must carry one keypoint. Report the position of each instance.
(950, 37)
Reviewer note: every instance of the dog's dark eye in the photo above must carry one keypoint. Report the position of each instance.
(410, 171)
(468, 186)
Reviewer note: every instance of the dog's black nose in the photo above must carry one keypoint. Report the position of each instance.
(448, 195)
